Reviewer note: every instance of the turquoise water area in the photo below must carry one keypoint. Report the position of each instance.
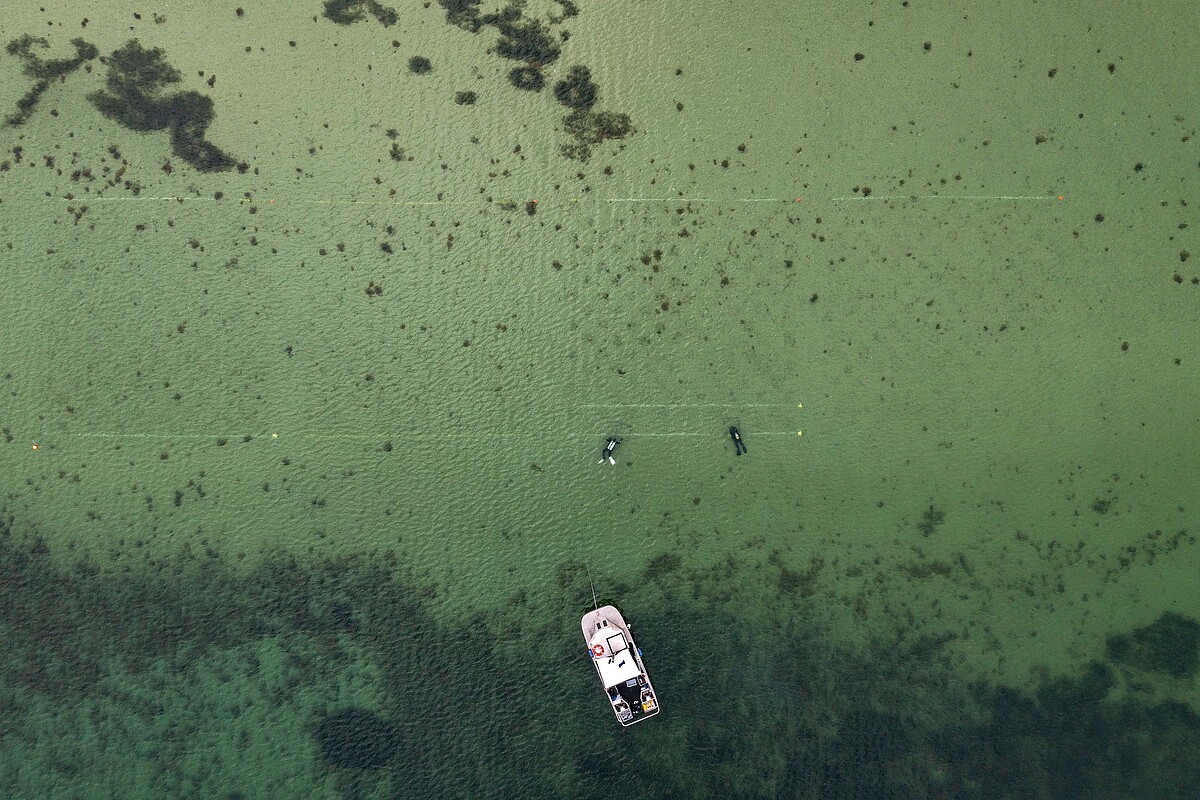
(317, 316)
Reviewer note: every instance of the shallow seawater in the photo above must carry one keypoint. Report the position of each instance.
(317, 317)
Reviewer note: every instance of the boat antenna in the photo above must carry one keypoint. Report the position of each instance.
(593, 587)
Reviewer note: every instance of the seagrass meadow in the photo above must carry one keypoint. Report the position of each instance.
(317, 316)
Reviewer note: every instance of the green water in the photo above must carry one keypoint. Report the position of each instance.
(303, 403)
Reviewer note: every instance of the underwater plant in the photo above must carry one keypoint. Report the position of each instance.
(1171, 645)
(527, 78)
(136, 77)
(526, 40)
(358, 738)
(347, 12)
(44, 73)
(593, 127)
(577, 90)
(930, 520)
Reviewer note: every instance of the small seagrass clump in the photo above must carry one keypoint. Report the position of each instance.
(930, 519)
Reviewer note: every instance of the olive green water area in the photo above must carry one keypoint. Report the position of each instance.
(317, 317)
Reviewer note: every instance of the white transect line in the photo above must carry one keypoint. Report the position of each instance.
(87, 200)
(684, 405)
(719, 433)
(235, 439)
(952, 197)
(267, 202)
(147, 435)
(334, 201)
(696, 200)
(271, 201)
(481, 435)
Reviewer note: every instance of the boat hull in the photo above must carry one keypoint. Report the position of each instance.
(618, 664)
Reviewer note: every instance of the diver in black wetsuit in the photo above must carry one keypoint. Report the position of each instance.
(607, 455)
(738, 445)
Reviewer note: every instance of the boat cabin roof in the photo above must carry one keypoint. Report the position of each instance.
(617, 665)
(617, 669)
(612, 638)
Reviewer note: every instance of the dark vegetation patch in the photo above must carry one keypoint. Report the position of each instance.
(662, 565)
(1170, 645)
(531, 41)
(925, 569)
(792, 716)
(577, 90)
(44, 73)
(524, 39)
(347, 12)
(593, 127)
(1068, 741)
(136, 78)
(931, 518)
(466, 98)
(795, 582)
(419, 65)
(463, 13)
(358, 738)
(528, 79)
(569, 8)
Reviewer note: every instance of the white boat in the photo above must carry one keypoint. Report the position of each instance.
(618, 662)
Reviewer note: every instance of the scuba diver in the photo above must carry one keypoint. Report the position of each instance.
(738, 445)
(607, 455)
